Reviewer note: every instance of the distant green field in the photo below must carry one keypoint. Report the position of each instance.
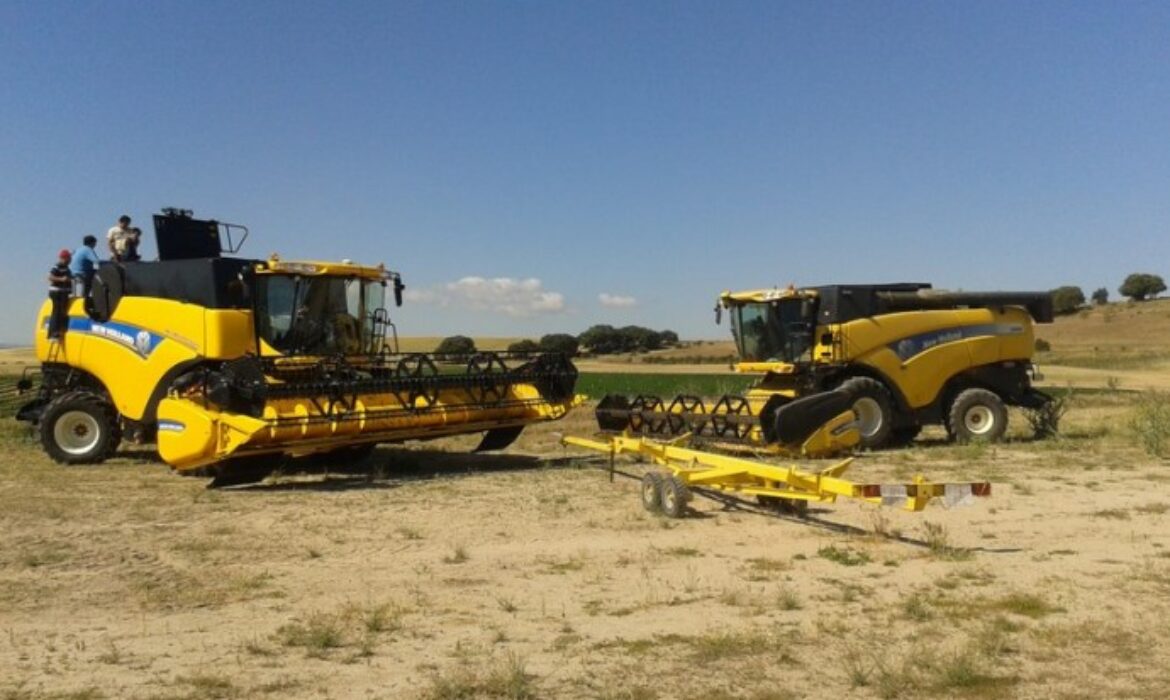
(598, 384)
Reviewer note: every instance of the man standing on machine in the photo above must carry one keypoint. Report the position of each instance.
(123, 241)
(60, 289)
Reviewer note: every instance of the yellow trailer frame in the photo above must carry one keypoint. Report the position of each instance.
(771, 484)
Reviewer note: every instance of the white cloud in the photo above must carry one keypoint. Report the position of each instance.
(506, 295)
(616, 301)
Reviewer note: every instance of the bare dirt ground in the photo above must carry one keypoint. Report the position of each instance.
(440, 574)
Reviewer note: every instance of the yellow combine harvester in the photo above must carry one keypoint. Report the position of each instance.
(235, 363)
(859, 364)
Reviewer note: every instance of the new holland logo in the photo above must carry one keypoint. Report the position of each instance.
(139, 340)
(142, 342)
(907, 348)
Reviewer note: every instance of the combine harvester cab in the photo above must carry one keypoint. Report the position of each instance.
(902, 355)
(236, 363)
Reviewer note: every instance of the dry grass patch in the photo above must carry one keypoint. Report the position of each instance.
(506, 679)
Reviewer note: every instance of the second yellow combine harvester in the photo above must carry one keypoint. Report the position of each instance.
(235, 363)
(868, 365)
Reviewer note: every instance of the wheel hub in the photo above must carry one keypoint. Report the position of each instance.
(869, 416)
(979, 420)
(76, 432)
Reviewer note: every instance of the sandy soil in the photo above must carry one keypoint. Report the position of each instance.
(528, 574)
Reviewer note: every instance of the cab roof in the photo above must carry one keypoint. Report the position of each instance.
(322, 268)
(793, 292)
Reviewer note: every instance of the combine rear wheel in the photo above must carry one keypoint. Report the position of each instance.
(80, 427)
(977, 415)
(874, 408)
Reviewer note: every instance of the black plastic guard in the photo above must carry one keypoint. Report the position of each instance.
(499, 438)
(796, 420)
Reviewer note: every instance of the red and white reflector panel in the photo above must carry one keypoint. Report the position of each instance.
(958, 495)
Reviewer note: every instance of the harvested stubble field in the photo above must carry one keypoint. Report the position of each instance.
(437, 574)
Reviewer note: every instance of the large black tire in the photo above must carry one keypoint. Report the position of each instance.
(874, 408)
(675, 496)
(80, 427)
(977, 415)
(651, 491)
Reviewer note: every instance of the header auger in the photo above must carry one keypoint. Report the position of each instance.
(235, 363)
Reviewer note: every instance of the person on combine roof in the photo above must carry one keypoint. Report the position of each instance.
(84, 265)
(123, 241)
(60, 289)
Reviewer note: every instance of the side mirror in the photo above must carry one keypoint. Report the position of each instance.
(398, 287)
(718, 314)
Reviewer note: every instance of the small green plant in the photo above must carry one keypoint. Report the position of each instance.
(1045, 421)
(788, 599)
(510, 679)
(382, 618)
(845, 556)
(938, 540)
(1026, 605)
(318, 634)
(916, 608)
(457, 556)
(858, 670)
(209, 686)
(1151, 423)
(1112, 514)
(409, 533)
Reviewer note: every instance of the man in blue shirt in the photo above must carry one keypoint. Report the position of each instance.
(84, 265)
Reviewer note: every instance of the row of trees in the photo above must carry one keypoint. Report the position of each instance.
(598, 340)
(1138, 286)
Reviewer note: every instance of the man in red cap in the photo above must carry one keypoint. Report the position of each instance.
(60, 287)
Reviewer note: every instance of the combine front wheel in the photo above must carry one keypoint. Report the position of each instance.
(874, 408)
(977, 415)
(80, 427)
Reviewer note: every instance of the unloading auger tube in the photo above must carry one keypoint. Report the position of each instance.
(786, 488)
(814, 426)
(249, 408)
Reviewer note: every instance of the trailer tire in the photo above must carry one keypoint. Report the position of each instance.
(977, 415)
(675, 496)
(80, 427)
(874, 408)
(651, 491)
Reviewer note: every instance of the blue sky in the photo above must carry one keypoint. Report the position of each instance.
(655, 153)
